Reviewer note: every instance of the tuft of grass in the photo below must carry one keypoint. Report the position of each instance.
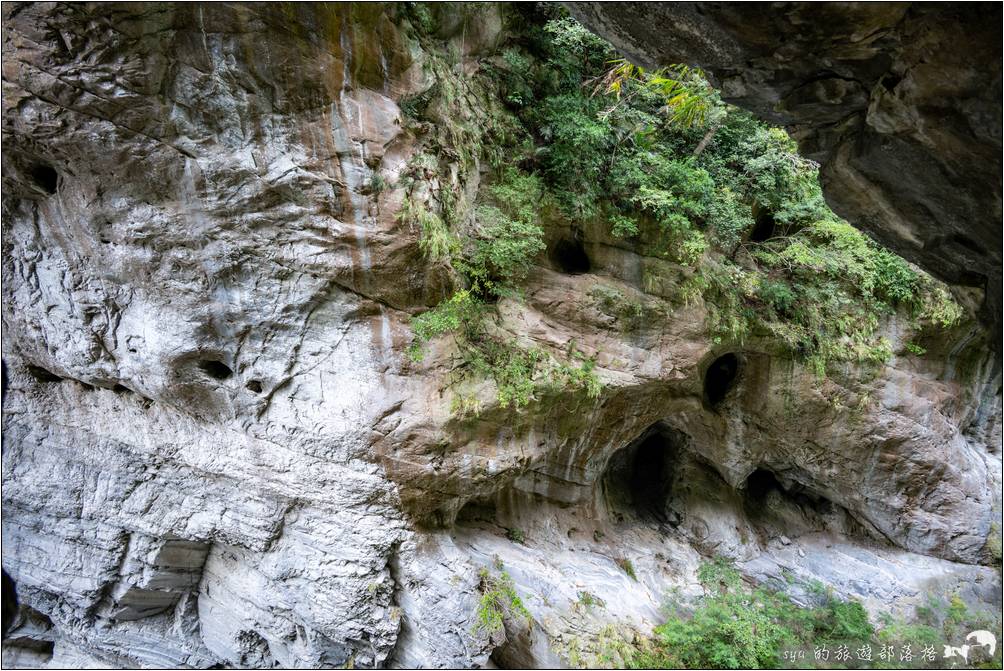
(515, 534)
(626, 566)
(588, 600)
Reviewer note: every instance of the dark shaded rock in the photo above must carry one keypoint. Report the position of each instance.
(899, 102)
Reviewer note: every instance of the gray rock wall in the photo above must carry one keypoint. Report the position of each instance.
(216, 452)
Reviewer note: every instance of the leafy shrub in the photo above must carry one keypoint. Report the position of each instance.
(737, 626)
(496, 259)
(461, 311)
(509, 235)
(437, 243)
(575, 153)
(729, 218)
(512, 368)
(499, 601)
(734, 626)
(515, 534)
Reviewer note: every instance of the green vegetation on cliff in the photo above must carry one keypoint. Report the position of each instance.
(672, 173)
(499, 602)
(738, 626)
(734, 626)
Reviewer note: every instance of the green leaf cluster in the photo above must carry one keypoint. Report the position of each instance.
(685, 177)
(673, 172)
(492, 260)
(508, 236)
(499, 602)
(734, 626)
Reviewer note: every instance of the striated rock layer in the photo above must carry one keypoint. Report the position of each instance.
(899, 102)
(215, 451)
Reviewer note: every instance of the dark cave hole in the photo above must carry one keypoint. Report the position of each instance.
(42, 374)
(9, 602)
(764, 228)
(254, 386)
(215, 369)
(570, 256)
(45, 177)
(890, 81)
(965, 242)
(760, 483)
(639, 476)
(720, 378)
(104, 233)
(649, 481)
(121, 389)
(3, 379)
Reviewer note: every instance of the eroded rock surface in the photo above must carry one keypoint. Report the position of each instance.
(216, 451)
(899, 102)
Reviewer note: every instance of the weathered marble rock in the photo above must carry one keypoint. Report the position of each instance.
(215, 450)
(899, 102)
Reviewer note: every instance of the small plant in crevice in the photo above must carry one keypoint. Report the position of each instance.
(515, 534)
(376, 184)
(437, 243)
(589, 600)
(630, 314)
(610, 648)
(993, 543)
(499, 602)
(625, 565)
(464, 406)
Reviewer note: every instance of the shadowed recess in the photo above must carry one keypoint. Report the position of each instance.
(45, 177)
(215, 369)
(570, 256)
(720, 378)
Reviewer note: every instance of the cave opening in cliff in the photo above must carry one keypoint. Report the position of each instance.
(215, 369)
(639, 477)
(45, 177)
(764, 228)
(569, 254)
(719, 379)
(760, 483)
(765, 494)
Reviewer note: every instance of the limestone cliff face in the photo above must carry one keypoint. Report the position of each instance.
(899, 102)
(216, 452)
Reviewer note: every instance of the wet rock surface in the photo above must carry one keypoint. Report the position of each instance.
(215, 450)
